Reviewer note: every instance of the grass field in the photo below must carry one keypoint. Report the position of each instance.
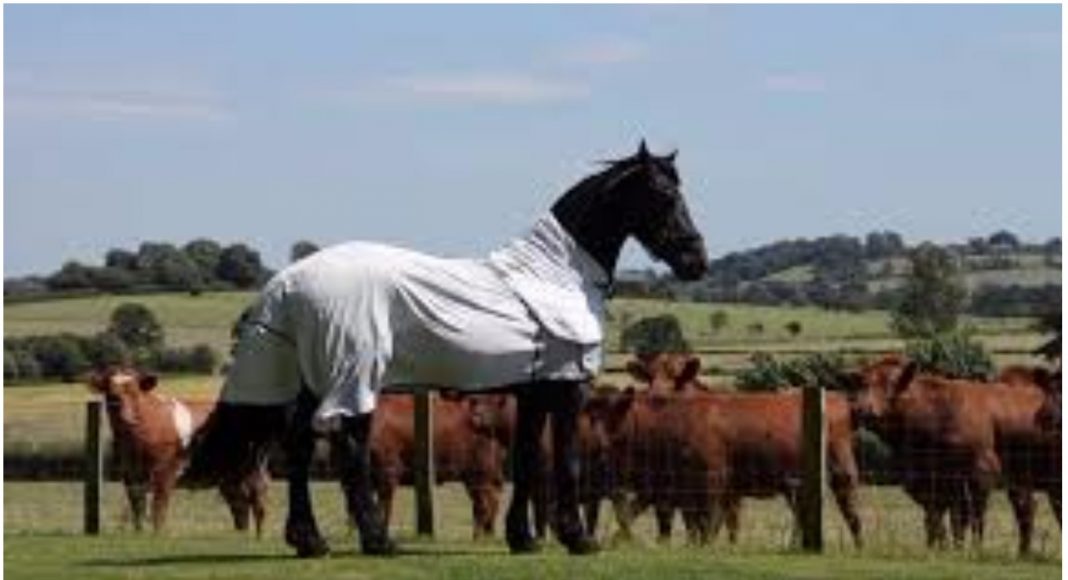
(41, 535)
(42, 520)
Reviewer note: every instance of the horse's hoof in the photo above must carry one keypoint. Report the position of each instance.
(382, 547)
(523, 545)
(582, 546)
(307, 543)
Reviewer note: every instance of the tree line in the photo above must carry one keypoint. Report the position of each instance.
(849, 273)
(198, 266)
(134, 336)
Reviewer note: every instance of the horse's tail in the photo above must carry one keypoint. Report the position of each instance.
(234, 441)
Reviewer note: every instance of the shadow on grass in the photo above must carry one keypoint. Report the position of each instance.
(211, 559)
(182, 559)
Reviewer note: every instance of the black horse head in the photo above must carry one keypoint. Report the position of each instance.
(637, 196)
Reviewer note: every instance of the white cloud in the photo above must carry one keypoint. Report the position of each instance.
(490, 88)
(605, 52)
(81, 96)
(113, 106)
(795, 83)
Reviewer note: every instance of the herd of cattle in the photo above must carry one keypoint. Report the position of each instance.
(674, 444)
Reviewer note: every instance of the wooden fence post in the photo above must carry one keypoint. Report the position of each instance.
(94, 467)
(424, 463)
(813, 460)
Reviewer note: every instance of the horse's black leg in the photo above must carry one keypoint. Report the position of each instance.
(302, 533)
(355, 468)
(526, 464)
(566, 404)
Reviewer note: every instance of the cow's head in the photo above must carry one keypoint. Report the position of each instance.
(877, 385)
(607, 411)
(122, 387)
(492, 415)
(1048, 416)
(665, 372)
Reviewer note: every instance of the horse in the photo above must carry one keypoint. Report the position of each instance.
(329, 332)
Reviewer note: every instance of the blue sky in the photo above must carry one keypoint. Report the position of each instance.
(449, 128)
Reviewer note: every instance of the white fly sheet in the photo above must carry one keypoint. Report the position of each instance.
(355, 317)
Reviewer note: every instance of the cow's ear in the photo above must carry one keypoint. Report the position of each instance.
(904, 378)
(97, 382)
(637, 370)
(148, 382)
(690, 369)
(1041, 376)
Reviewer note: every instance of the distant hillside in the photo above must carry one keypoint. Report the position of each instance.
(1005, 276)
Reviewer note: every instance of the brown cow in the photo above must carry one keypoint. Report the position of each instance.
(943, 438)
(151, 434)
(670, 450)
(1020, 403)
(469, 446)
(955, 438)
(763, 438)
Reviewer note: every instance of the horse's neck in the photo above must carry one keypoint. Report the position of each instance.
(595, 229)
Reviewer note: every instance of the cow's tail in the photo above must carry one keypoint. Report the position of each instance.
(234, 441)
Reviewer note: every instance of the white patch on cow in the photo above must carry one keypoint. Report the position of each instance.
(183, 422)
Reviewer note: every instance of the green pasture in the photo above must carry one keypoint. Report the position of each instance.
(208, 318)
(42, 540)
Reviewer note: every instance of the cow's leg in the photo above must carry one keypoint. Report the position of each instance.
(257, 490)
(591, 511)
(1022, 499)
(567, 403)
(732, 509)
(626, 510)
(845, 495)
(355, 469)
(665, 513)
(542, 501)
(137, 495)
(1054, 494)
(302, 532)
(485, 499)
(385, 486)
(934, 524)
(526, 464)
(163, 480)
(236, 496)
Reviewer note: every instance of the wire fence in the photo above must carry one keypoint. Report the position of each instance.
(44, 462)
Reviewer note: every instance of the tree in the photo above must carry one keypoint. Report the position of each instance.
(718, 320)
(72, 276)
(136, 326)
(1005, 239)
(205, 254)
(933, 295)
(112, 279)
(793, 327)
(884, 244)
(60, 356)
(240, 265)
(167, 266)
(655, 334)
(302, 249)
(106, 349)
(120, 258)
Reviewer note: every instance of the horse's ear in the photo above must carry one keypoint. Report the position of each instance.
(643, 151)
(670, 157)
